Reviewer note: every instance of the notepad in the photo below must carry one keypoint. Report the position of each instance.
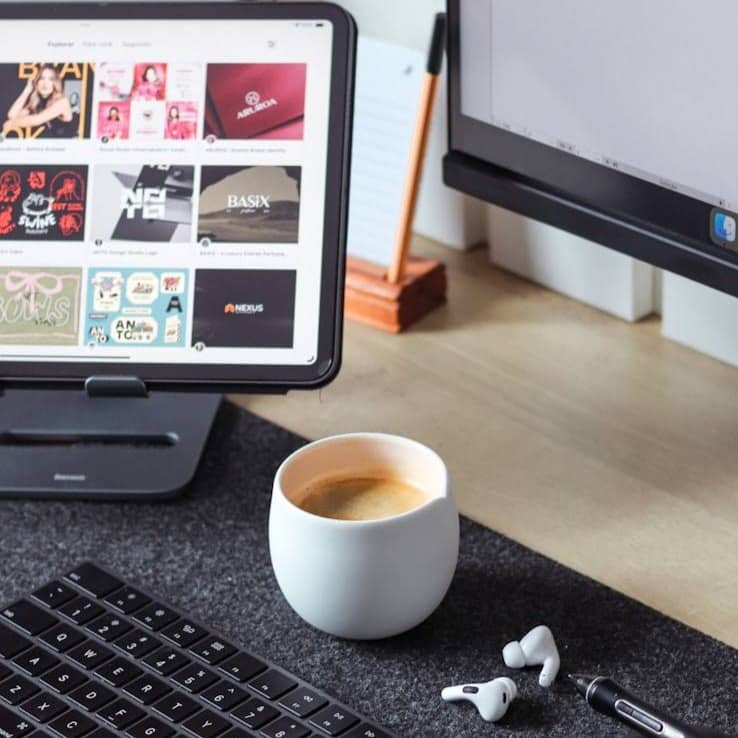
(388, 82)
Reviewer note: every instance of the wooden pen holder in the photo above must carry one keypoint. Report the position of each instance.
(373, 300)
(392, 299)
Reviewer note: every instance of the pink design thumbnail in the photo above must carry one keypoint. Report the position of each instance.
(113, 120)
(181, 120)
(149, 81)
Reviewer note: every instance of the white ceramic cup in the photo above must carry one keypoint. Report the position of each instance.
(372, 578)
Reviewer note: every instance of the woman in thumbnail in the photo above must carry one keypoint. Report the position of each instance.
(176, 127)
(112, 126)
(43, 103)
(150, 86)
(173, 123)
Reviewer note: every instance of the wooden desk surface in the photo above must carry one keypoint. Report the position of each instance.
(598, 443)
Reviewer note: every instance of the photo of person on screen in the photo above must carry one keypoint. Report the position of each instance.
(150, 86)
(43, 103)
(180, 123)
(114, 126)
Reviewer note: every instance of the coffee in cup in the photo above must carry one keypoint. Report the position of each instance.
(361, 498)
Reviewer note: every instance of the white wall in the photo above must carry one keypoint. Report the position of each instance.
(406, 22)
(443, 214)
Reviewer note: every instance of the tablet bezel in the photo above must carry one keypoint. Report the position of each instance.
(232, 377)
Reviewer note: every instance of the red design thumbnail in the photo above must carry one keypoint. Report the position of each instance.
(255, 101)
(43, 203)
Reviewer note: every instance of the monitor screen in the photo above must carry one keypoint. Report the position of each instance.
(162, 190)
(613, 120)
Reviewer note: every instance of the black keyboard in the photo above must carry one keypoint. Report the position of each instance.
(90, 655)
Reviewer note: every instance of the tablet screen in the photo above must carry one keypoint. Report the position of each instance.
(162, 190)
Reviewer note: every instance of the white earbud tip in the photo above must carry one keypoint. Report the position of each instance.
(513, 655)
(449, 694)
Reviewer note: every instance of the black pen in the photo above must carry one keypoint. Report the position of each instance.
(607, 697)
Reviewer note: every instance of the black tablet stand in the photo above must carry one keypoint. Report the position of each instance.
(111, 441)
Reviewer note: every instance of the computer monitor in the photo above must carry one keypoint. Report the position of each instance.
(173, 192)
(611, 120)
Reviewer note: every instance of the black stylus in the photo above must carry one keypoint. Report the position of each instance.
(607, 697)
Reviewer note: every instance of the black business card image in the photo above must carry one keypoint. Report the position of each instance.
(135, 202)
(244, 308)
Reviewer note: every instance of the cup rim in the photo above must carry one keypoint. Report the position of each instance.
(278, 487)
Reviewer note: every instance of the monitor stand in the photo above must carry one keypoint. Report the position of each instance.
(111, 441)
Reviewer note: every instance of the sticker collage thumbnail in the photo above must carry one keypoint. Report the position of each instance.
(149, 202)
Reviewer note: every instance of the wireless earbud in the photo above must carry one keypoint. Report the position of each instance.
(491, 699)
(538, 647)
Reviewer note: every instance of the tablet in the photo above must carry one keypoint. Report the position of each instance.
(173, 192)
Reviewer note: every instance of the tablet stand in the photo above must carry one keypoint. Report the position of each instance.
(111, 441)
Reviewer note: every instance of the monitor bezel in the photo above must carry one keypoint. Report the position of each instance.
(652, 223)
(232, 377)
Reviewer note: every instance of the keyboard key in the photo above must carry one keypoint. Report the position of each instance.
(242, 666)
(11, 643)
(81, 610)
(137, 643)
(212, 650)
(150, 727)
(89, 655)
(237, 733)
(28, 617)
(165, 660)
(109, 627)
(43, 707)
(206, 724)
(303, 702)
(62, 637)
(4, 672)
(155, 616)
(285, 727)
(273, 684)
(12, 725)
(255, 713)
(73, 724)
(365, 731)
(194, 678)
(94, 580)
(333, 720)
(35, 661)
(184, 633)
(121, 713)
(118, 672)
(17, 689)
(38, 734)
(55, 594)
(176, 707)
(147, 689)
(224, 695)
(127, 600)
(102, 733)
(64, 678)
(92, 696)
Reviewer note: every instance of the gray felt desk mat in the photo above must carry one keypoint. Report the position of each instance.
(207, 552)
